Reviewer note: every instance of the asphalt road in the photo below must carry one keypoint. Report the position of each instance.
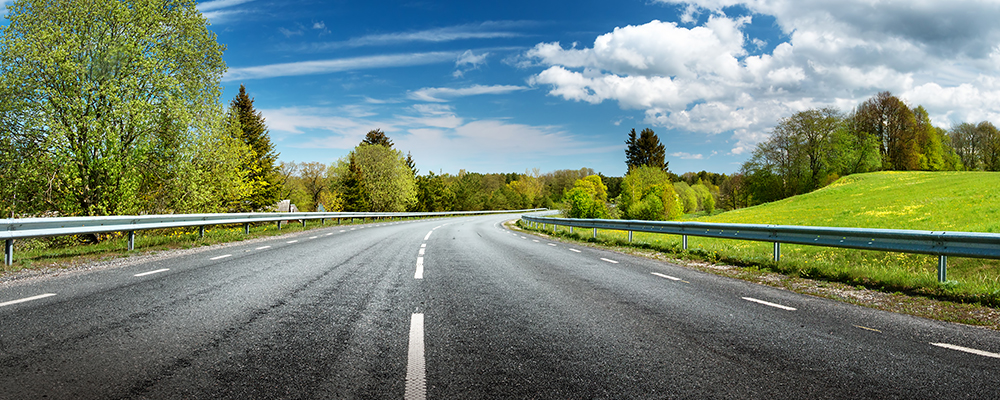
(460, 308)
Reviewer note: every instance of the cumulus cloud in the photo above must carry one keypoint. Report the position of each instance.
(712, 78)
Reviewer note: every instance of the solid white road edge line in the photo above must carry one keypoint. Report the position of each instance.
(41, 296)
(220, 257)
(263, 247)
(420, 269)
(665, 276)
(153, 272)
(610, 261)
(953, 347)
(416, 388)
(767, 303)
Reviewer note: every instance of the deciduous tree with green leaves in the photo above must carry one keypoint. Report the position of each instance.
(97, 79)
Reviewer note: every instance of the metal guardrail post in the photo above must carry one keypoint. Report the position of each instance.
(303, 222)
(246, 228)
(571, 229)
(942, 269)
(777, 251)
(630, 236)
(8, 252)
(201, 232)
(322, 221)
(131, 240)
(595, 233)
(684, 242)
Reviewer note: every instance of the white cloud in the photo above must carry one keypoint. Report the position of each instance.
(289, 33)
(337, 65)
(469, 61)
(219, 4)
(435, 134)
(445, 94)
(705, 79)
(687, 156)
(485, 30)
(319, 25)
(219, 11)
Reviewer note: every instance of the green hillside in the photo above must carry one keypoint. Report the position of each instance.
(934, 201)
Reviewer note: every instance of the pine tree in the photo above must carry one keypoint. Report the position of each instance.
(645, 150)
(377, 137)
(411, 164)
(354, 196)
(262, 170)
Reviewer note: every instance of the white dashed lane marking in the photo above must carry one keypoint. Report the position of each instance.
(220, 257)
(767, 303)
(416, 388)
(292, 241)
(263, 247)
(610, 261)
(665, 276)
(26, 299)
(960, 348)
(574, 250)
(153, 272)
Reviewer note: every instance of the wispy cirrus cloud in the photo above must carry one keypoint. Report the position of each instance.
(219, 10)
(485, 30)
(438, 138)
(440, 95)
(338, 65)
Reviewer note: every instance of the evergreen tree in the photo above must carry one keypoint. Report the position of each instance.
(411, 164)
(645, 150)
(376, 136)
(262, 172)
(353, 191)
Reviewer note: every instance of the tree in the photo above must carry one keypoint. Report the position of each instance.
(587, 199)
(97, 80)
(648, 194)
(379, 180)
(376, 136)
(262, 173)
(645, 150)
(892, 123)
(313, 177)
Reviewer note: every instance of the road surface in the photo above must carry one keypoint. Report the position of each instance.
(460, 308)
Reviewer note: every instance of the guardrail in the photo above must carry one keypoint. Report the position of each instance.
(939, 243)
(24, 228)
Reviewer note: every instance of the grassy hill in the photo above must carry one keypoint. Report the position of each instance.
(933, 201)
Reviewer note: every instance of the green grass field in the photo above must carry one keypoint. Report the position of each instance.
(934, 201)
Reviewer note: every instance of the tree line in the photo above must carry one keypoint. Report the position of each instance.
(811, 149)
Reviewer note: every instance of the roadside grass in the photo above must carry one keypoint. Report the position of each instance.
(936, 201)
(68, 251)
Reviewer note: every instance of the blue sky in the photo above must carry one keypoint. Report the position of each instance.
(516, 85)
